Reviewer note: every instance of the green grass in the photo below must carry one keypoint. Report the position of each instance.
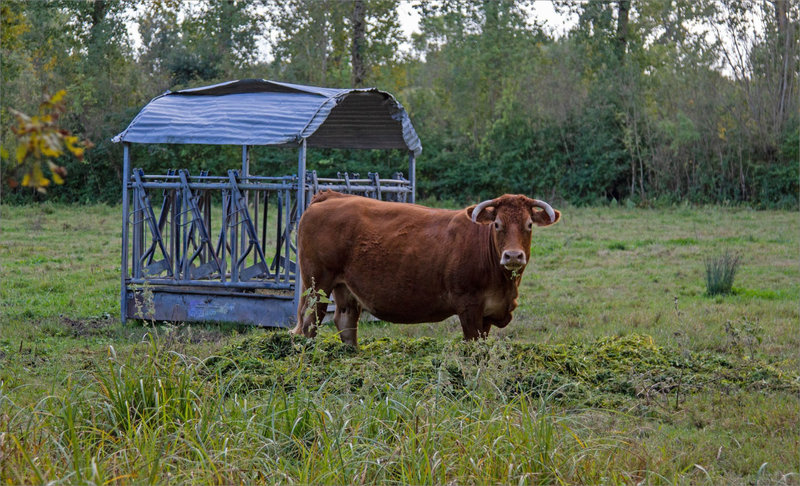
(617, 368)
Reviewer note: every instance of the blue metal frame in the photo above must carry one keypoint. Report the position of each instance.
(176, 269)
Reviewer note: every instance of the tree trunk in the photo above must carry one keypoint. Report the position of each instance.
(786, 37)
(357, 45)
(622, 28)
(97, 15)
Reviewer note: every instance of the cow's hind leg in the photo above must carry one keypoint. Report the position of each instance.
(348, 310)
(312, 308)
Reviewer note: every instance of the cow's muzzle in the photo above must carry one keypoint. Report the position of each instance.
(513, 259)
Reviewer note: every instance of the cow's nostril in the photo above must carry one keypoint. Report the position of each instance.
(512, 256)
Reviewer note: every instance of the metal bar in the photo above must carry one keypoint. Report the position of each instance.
(199, 225)
(214, 177)
(147, 215)
(223, 236)
(140, 233)
(219, 185)
(264, 221)
(248, 231)
(243, 176)
(256, 195)
(211, 283)
(245, 162)
(126, 175)
(173, 234)
(287, 201)
(339, 180)
(301, 180)
(184, 275)
(162, 216)
(276, 261)
(412, 176)
(184, 288)
(137, 219)
(234, 246)
(301, 204)
(376, 181)
(365, 189)
(207, 222)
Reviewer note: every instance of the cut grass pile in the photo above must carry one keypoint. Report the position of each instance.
(606, 373)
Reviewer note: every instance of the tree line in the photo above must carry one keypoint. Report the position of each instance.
(640, 101)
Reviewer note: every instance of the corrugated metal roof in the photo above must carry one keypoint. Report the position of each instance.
(262, 112)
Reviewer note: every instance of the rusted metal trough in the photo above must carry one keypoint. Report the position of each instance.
(186, 257)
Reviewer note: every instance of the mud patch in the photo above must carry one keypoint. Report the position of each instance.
(89, 327)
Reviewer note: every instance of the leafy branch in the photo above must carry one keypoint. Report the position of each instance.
(39, 138)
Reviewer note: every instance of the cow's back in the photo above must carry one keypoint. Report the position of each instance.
(398, 259)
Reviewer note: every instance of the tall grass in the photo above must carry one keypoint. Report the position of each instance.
(165, 417)
(720, 272)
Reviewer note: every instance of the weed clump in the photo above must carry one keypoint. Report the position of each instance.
(720, 272)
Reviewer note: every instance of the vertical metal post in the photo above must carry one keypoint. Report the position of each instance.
(186, 235)
(301, 176)
(412, 176)
(287, 221)
(245, 161)
(126, 176)
(301, 204)
(243, 177)
(174, 232)
(136, 243)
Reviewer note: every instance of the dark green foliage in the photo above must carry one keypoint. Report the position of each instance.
(720, 272)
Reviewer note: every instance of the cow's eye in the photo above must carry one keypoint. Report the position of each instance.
(529, 226)
(497, 225)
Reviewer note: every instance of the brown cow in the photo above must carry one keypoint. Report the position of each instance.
(406, 263)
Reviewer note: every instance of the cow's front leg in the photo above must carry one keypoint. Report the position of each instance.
(487, 326)
(471, 322)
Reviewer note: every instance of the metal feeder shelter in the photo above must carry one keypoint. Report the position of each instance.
(190, 260)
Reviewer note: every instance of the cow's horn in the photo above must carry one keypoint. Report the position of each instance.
(546, 207)
(480, 207)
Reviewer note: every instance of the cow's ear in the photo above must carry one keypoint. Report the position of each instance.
(540, 217)
(488, 215)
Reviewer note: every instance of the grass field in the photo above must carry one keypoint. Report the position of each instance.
(617, 368)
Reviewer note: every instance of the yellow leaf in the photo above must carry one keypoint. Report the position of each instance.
(39, 179)
(58, 96)
(3, 152)
(57, 172)
(49, 151)
(22, 152)
(26, 180)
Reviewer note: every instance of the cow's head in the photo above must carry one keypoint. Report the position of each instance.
(512, 219)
